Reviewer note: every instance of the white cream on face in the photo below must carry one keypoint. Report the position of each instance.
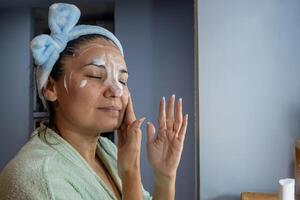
(65, 81)
(113, 73)
(100, 61)
(82, 83)
(111, 65)
(81, 51)
(65, 84)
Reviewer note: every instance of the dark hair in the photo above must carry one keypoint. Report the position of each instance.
(57, 70)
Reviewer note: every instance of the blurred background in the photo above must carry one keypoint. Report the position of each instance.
(158, 41)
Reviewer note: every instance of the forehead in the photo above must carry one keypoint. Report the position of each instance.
(99, 49)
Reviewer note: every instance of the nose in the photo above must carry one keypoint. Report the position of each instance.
(113, 90)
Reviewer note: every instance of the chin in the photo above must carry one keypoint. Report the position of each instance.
(107, 124)
(108, 127)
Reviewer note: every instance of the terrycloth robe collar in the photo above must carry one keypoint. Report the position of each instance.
(70, 153)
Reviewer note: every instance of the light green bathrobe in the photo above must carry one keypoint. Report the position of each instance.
(48, 167)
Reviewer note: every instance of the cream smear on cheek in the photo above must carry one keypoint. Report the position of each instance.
(67, 82)
(83, 83)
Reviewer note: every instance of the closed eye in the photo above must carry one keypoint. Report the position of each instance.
(95, 77)
(123, 83)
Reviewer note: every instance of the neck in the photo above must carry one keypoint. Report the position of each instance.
(84, 142)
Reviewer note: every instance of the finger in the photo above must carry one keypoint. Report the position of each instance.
(138, 123)
(178, 118)
(120, 138)
(170, 113)
(134, 130)
(129, 114)
(162, 114)
(150, 133)
(182, 132)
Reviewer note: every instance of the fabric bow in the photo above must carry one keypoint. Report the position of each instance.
(46, 48)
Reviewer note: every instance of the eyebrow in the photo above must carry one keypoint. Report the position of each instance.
(122, 71)
(92, 63)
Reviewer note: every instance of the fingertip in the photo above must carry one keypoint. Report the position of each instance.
(140, 121)
(148, 126)
(150, 132)
(162, 101)
(185, 119)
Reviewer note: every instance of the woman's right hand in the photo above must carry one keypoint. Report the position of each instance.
(129, 142)
(129, 151)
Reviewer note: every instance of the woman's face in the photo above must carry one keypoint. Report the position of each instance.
(92, 92)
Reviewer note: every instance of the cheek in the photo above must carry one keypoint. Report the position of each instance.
(124, 99)
(85, 89)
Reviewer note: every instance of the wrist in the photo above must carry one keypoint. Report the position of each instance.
(129, 168)
(162, 180)
(132, 173)
(164, 187)
(132, 185)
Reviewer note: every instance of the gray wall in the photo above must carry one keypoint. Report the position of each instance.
(158, 42)
(14, 81)
(249, 94)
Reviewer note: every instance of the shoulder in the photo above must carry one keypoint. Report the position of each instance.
(24, 175)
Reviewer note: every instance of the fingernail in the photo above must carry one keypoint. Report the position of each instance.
(173, 95)
(142, 119)
(187, 116)
(180, 100)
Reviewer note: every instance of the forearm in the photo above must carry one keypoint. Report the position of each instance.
(164, 188)
(132, 186)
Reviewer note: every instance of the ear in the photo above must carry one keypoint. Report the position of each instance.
(50, 92)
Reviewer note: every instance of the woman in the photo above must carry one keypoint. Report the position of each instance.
(82, 79)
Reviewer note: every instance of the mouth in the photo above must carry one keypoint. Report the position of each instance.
(110, 109)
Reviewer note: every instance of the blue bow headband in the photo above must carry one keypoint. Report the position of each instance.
(46, 48)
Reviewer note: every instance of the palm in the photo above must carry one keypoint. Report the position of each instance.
(164, 151)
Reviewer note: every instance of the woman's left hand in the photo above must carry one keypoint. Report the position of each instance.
(164, 150)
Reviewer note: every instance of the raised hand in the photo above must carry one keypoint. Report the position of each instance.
(165, 149)
(129, 141)
(129, 151)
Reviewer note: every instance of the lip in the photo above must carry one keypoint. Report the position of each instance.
(110, 108)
